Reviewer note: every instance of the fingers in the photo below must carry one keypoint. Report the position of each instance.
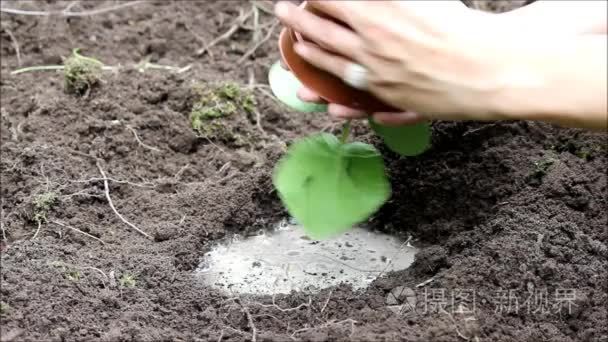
(342, 112)
(322, 59)
(323, 32)
(398, 119)
(335, 110)
(340, 10)
(308, 95)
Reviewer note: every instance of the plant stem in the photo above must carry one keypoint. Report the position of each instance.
(90, 59)
(51, 67)
(345, 132)
(38, 68)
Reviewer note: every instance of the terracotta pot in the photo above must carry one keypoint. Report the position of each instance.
(329, 87)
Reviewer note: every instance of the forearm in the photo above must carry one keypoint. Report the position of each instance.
(559, 17)
(563, 81)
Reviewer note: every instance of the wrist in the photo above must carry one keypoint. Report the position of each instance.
(560, 81)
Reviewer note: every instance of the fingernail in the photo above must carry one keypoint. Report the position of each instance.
(281, 9)
(283, 64)
(300, 49)
(397, 119)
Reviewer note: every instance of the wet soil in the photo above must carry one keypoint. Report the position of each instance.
(511, 217)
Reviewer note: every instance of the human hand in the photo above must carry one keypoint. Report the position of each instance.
(418, 55)
(340, 112)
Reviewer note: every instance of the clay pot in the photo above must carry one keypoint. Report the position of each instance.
(329, 87)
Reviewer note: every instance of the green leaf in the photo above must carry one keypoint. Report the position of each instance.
(406, 140)
(284, 86)
(328, 186)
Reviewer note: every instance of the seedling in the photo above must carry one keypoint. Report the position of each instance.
(328, 184)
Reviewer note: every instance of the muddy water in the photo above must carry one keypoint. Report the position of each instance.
(286, 259)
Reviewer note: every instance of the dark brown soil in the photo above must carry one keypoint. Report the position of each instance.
(511, 216)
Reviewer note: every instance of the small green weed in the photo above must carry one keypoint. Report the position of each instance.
(589, 152)
(4, 308)
(68, 271)
(42, 205)
(127, 280)
(579, 147)
(541, 167)
(72, 275)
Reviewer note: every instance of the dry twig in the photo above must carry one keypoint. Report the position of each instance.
(67, 13)
(203, 41)
(2, 218)
(141, 142)
(274, 305)
(260, 43)
(254, 330)
(97, 179)
(327, 301)
(328, 324)
(107, 193)
(425, 282)
(258, 4)
(256, 23)
(456, 326)
(78, 230)
(15, 44)
(37, 230)
(226, 35)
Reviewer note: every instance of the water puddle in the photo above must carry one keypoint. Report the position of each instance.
(285, 260)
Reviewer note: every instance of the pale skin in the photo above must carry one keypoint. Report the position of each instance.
(441, 60)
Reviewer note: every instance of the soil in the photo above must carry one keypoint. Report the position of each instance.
(511, 217)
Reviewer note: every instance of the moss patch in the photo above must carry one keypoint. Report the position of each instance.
(81, 73)
(215, 105)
